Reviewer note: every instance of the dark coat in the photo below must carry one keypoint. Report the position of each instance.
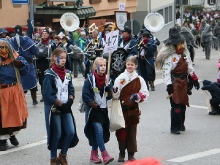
(132, 50)
(213, 88)
(91, 114)
(49, 94)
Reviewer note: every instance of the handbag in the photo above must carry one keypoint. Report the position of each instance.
(116, 116)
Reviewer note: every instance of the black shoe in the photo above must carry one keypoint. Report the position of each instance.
(175, 132)
(121, 157)
(3, 145)
(35, 102)
(183, 128)
(214, 113)
(131, 156)
(42, 100)
(13, 140)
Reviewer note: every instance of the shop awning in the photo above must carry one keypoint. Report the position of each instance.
(57, 11)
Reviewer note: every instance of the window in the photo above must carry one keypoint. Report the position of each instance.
(170, 14)
(160, 11)
(166, 15)
(94, 1)
(211, 2)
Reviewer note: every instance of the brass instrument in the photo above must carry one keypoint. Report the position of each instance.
(87, 46)
(139, 45)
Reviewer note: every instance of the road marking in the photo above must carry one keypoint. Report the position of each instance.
(23, 147)
(196, 156)
(197, 106)
(158, 81)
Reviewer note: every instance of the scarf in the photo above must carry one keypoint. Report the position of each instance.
(100, 80)
(127, 38)
(60, 71)
(45, 41)
(146, 40)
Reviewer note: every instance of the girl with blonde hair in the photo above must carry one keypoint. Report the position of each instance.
(96, 112)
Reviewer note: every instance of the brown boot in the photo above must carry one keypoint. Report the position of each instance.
(54, 161)
(62, 159)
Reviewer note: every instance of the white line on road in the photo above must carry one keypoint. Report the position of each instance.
(23, 147)
(197, 106)
(196, 156)
(158, 81)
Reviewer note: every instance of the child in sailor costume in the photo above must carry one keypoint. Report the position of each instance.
(58, 94)
(131, 89)
(96, 112)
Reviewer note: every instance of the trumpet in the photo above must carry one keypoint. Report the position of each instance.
(139, 45)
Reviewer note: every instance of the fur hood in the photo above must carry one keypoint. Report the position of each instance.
(165, 52)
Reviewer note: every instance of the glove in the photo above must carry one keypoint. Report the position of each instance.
(115, 90)
(65, 108)
(134, 97)
(93, 104)
(69, 102)
(170, 89)
(107, 89)
(17, 63)
(196, 85)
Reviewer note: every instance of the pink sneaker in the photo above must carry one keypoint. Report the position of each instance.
(94, 157)
(106, 157)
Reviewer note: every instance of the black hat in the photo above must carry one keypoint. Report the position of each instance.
(146, 34)
(45, 30)
(18, 30)
(127, 29)
(174, 37)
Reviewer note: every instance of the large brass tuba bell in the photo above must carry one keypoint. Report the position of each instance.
(154, 22)
(69, 22)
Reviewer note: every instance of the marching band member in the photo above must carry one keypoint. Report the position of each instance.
(45, 47)
(175, 62)
(128, 42)
(146, 60)
(13, 105)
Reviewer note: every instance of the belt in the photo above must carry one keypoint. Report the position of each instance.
(7, 85)
(142, 57)
(126, 108)
(181, 76)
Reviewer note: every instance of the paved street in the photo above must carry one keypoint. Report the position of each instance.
(198, 145)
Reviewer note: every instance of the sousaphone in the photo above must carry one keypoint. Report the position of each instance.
(69, 22)
(154, 22)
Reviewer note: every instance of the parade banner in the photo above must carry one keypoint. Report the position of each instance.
(111, 41)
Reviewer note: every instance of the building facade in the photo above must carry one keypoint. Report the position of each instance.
(137, 9)
(11, 15)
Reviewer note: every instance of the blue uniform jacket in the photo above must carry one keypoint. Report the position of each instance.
(88, 97)
(133, 47)
(49, 92)
(149, 51)
(27, 50)
(7, 72)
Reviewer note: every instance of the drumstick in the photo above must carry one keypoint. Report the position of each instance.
(169, 96)
(108, 71)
